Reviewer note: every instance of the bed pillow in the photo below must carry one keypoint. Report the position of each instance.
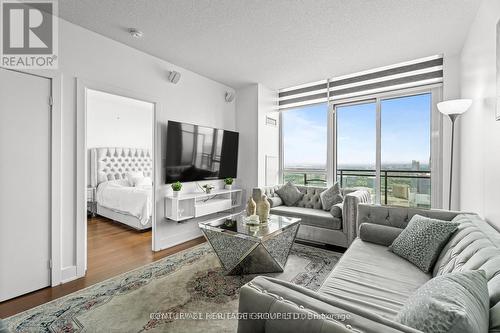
(134, 177)
(144, 181)
(450, 303)
(331, 196)
(289, 193)
(422, 240)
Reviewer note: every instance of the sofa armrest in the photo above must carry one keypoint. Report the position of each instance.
(264, 300)
(257, 192)
(378, 234)
(350, 212)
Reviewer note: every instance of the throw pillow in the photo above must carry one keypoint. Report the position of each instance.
(336, 210)
(275, 201)
(331, 197)
(289, 193)
(422, 240)
(450, 303)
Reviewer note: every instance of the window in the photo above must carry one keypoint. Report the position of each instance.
(403, 176)
(356, 145)
(304, 144)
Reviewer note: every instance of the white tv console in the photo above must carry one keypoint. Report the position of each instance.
(191, 205)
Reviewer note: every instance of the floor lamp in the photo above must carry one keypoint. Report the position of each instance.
(453, 109)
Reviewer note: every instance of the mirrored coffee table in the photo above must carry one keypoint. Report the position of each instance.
(248, 249)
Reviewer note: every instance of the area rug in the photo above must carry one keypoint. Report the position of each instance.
(185, 292)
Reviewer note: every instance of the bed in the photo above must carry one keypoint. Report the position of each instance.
(122, 194)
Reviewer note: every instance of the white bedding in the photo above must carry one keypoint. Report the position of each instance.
(119, 196)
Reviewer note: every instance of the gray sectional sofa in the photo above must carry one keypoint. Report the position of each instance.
(317, 225)
(370, 284)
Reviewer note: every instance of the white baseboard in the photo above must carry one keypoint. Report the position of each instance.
(68, 274)
(167, 242)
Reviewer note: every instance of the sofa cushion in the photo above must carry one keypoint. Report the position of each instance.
(331, 197)
(451, 303)
(311, 197)
(474, 246)
(422, 240)
(289, 193)
(373, 278)
(309, 216)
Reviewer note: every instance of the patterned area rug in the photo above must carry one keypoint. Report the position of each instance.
(169, 295)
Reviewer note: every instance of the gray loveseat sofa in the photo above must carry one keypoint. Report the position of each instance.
(318, 225)
(370, 284)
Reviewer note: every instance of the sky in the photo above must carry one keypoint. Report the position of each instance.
(405, 133)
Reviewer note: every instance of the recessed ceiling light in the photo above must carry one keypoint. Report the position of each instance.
(135, 33)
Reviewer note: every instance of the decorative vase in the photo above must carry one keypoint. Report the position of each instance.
(263, 208)
(176, 194)
(251, 207)
(228, 187)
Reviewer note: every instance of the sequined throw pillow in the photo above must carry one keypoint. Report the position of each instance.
(422, 240)
(450, 303)
(289, 193)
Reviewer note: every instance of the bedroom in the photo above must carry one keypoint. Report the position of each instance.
(119, 142)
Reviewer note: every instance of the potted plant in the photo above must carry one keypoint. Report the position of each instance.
(176, 187)
(208, 188)
(229, 183)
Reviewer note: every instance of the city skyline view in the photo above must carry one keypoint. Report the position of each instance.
(405, 134)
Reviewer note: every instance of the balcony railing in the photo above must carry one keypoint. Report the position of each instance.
(410, 188)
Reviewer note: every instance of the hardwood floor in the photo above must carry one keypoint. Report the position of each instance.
(112, 249)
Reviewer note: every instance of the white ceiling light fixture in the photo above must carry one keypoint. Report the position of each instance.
(229, 97)
(173, 77)
(136, 33)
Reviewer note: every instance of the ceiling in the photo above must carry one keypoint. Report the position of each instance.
(280, 43)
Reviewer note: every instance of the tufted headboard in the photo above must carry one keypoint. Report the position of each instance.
(113, 163)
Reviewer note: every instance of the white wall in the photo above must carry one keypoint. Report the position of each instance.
(268, 136)
(117, 121)
(90, 56)
(257, 139)
(480, 133)
(451, 90)
(246, 125)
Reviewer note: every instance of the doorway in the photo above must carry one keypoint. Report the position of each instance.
(119, 182)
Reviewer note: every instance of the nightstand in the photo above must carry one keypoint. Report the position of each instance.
(91, 203)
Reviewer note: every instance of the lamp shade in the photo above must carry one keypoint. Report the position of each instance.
(454, 106)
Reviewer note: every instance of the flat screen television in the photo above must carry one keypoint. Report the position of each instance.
(200, 153)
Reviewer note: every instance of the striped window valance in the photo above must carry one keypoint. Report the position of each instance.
(421, 72)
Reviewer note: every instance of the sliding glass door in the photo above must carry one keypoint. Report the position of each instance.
(384, 145)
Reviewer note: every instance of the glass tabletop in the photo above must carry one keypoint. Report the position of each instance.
(237, 225)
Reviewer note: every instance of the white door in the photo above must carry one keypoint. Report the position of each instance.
(24, 183)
